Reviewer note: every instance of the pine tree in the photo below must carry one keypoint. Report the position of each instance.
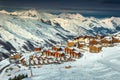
(15, 78)
(10, 78)
(22, 76)
(26, 76)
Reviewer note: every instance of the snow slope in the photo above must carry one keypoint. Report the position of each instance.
(23, 31)
(103, 66)
(91, 66)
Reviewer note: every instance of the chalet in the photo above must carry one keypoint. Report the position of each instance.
(31, 57)
(80, 45)
(62, 53)
(57, 48)
(40, 61)
(45, 61)
(107, 41)
(15, 56)
(46, 52)
(72, 54)
(116, 39)
(81, 39)
(32, 62)
(26, 57)
(49, 53)
(67, 50)
(36, 60)
(75, 53)
(37, 49)
(78, 54)
(86, 40)
(70, 43)
(59, 54)
(99, 37)
(76, 40)
(94, 42)
(23, 62)
(95, 48)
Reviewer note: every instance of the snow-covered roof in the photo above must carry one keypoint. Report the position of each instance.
(97, 45)
(51, 50)
(109, 38)
(61, 52)
(70, 41)
(26, 56)
(76, 51)
(117, 37)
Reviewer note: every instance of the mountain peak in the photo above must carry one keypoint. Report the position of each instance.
(71, 16)
(27, 13)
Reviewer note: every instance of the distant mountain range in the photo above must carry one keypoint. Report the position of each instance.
(23, 30)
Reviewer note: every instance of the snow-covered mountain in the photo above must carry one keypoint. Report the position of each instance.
(23, 30)
(78, 24)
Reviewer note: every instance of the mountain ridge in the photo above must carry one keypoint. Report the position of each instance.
(24, 30)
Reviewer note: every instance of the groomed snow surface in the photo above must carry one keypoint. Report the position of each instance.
(91, 66)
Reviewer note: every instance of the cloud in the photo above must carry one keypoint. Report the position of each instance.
(111, 1)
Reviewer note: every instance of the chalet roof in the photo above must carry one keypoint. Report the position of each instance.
(117, 37)
(75, 49)
(97, 45)
(50, 57)
(70, 41)
(108, 38)
(59, 46)
(27, 56)
(14, 54)
(45, 48)
(61, 52)
(98, 40)
(52, 50)
(81, 42)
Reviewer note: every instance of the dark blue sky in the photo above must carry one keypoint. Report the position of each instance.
(88, 7)
(81, 4)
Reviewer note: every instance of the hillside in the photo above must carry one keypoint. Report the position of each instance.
(23, 30)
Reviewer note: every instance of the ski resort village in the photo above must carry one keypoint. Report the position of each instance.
(58, 58)
(38, 45)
